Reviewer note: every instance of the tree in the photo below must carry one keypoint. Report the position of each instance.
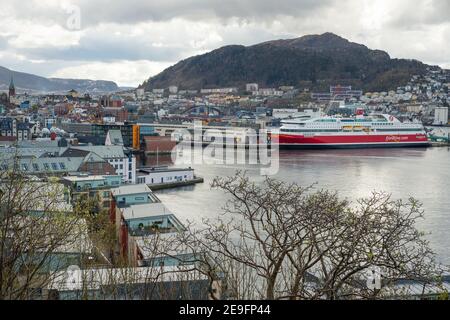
(36, 228)
(283, 241)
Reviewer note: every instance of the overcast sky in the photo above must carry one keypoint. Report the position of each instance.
(129, 40)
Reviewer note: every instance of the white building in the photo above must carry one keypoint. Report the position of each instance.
(441, 116)
(173, 89)
(125, 165)
(269, 92)
(140, 92)
(219, 91)
(109, 119)
(160, 175)
(251, 87)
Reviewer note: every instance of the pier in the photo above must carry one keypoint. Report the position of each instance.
(173, 185)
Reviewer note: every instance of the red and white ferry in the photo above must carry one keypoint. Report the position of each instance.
(375, 131)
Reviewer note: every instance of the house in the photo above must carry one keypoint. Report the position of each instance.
(92, 187)
(13, 127)
(137, 212)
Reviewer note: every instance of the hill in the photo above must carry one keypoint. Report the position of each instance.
(314, 61)
(29, 82)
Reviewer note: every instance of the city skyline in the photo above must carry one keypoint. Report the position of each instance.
(129, 42)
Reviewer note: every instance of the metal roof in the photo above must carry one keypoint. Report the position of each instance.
(130, 190)
(106, 152)
(146, 210)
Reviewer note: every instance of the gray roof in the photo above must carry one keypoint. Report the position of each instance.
(115, 137)
(146, 210)
(46, 165)
(106, 152)
(93, 157)
(131, 189)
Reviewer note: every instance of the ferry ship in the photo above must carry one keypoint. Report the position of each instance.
(374, 131)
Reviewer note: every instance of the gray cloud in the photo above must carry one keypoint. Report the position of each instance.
(422, 14)
(134, 11)
(145, 35)
(91, 49)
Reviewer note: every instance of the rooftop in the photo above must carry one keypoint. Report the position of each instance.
(115, 137)
(131, 189)
(83, 178)
(146, 210)
(103, 151)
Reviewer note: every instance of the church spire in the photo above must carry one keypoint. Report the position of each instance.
(12, 89)
(11, 84)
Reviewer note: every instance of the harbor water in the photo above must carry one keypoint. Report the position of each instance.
(420, 173)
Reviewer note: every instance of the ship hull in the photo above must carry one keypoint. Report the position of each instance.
(353, 141)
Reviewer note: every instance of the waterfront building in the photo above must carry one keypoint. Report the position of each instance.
(137, 212)
(160, 175)
(441, 116)
(83, 187)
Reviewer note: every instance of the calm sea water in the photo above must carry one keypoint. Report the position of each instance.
(420, 173)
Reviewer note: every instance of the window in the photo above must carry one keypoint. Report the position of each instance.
(46, 166)
(121, 167)
(62, 166)
(54, 166)
(35, 167)
(139, 198)
(24, 167)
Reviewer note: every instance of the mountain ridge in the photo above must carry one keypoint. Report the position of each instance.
(29, 82)
(313, 61)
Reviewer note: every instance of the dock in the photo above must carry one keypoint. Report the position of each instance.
(173, 185)
(440, 144)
